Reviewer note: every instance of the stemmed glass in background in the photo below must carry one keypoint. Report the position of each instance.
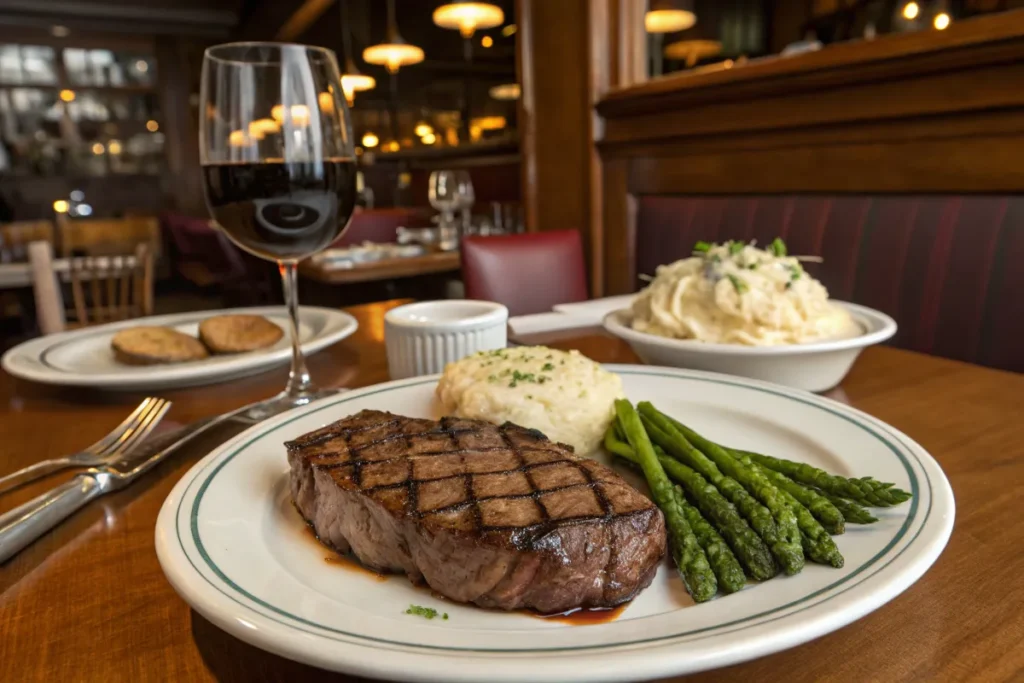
(279, 174)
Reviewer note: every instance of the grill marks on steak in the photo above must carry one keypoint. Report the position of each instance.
(499, 516)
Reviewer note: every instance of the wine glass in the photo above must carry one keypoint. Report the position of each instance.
(275, 144)
(443, 193)
(466, 197)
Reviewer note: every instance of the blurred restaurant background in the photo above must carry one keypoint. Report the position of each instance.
(882, 135)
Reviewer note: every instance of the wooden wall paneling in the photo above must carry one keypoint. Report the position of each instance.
(620, 228)
(937, 112)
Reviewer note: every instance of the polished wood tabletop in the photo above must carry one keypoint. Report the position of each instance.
(88, 602)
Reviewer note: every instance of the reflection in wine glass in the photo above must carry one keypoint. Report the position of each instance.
(278, 170)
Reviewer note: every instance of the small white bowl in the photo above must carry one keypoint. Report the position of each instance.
(422, 338)
(818, 366)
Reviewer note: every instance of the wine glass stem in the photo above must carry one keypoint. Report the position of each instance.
(299, 382)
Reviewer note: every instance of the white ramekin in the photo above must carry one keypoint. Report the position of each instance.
(422, 338)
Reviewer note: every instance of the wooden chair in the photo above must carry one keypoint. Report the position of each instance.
(103, 288)
(107, 236)
(15, 237)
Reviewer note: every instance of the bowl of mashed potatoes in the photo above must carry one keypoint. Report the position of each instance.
(742, 310)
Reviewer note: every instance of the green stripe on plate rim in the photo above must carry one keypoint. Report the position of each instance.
(359, 639)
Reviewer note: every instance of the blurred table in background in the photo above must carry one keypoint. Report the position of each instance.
(330, 271)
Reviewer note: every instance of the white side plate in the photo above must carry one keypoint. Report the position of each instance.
(234, 548)
(84, 358)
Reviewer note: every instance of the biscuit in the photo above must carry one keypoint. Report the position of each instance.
(238, 333)
(152, 345)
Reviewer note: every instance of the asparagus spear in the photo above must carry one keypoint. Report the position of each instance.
(852, 513)
(758, 516)
(854, 489)
(685, 443)
(690, 559)
(820, 506)
(747, 545)
(816, 542)
(725, 565)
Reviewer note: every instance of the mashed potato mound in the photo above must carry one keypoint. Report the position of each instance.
(564, 394)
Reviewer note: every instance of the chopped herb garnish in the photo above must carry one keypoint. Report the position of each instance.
(716, 259)
(735, 247)
(548, 367)
(561, 362)
(425, 612)
(789, 285)
(752, 266)
(548, 357)
(543, 379)
(492, 378)
(445, 616)
(778, 247)
(737, 283)
(529, 397)
(702, 246)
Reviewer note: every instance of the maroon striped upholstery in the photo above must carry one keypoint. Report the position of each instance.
(949, 269)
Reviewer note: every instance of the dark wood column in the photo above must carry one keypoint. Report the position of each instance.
(571, 52)
(180, 124)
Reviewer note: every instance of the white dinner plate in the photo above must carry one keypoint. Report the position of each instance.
(234, 547)
(84, 358)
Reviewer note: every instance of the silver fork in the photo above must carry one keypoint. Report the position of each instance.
(125, 436)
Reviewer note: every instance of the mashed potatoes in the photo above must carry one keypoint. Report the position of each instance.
(734, 293)
(565, 395)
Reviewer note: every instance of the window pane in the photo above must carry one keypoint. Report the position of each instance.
(76, 66)
(10, 64)
(37, 64)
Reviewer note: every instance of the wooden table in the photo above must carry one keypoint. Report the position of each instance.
(88, 602)
(382, 269)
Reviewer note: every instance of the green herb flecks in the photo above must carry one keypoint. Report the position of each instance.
(737, 283)
(425, 612)
(778, 247)
(547, 367)
(702, 246)
(735, 247)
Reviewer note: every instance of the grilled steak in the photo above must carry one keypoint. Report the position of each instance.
(497, 516)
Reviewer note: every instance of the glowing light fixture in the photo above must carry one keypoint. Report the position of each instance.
(152, 126)
(352, 81)
(423, 129)
(468, 17)
(941, 21)
(489, 122)
(239, 138)
(691, 51)
(61, 206)
(428, 139)
(391, 146)
(67, 95)
(487, 41)
(506, 91)
(98, 148)
(394, 53)
(114, 147)
(669, 16)
(142, 65)
(911, 10)
(259, 128)
(298, 115)
(509, 30)
(370, 140)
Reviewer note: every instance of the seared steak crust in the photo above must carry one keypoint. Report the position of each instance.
(498, 516)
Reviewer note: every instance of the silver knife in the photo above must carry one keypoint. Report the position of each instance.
(24, 524)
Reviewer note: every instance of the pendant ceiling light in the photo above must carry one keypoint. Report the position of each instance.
(468, 17)
(669, 16)
(352, 81)
(395, 52)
